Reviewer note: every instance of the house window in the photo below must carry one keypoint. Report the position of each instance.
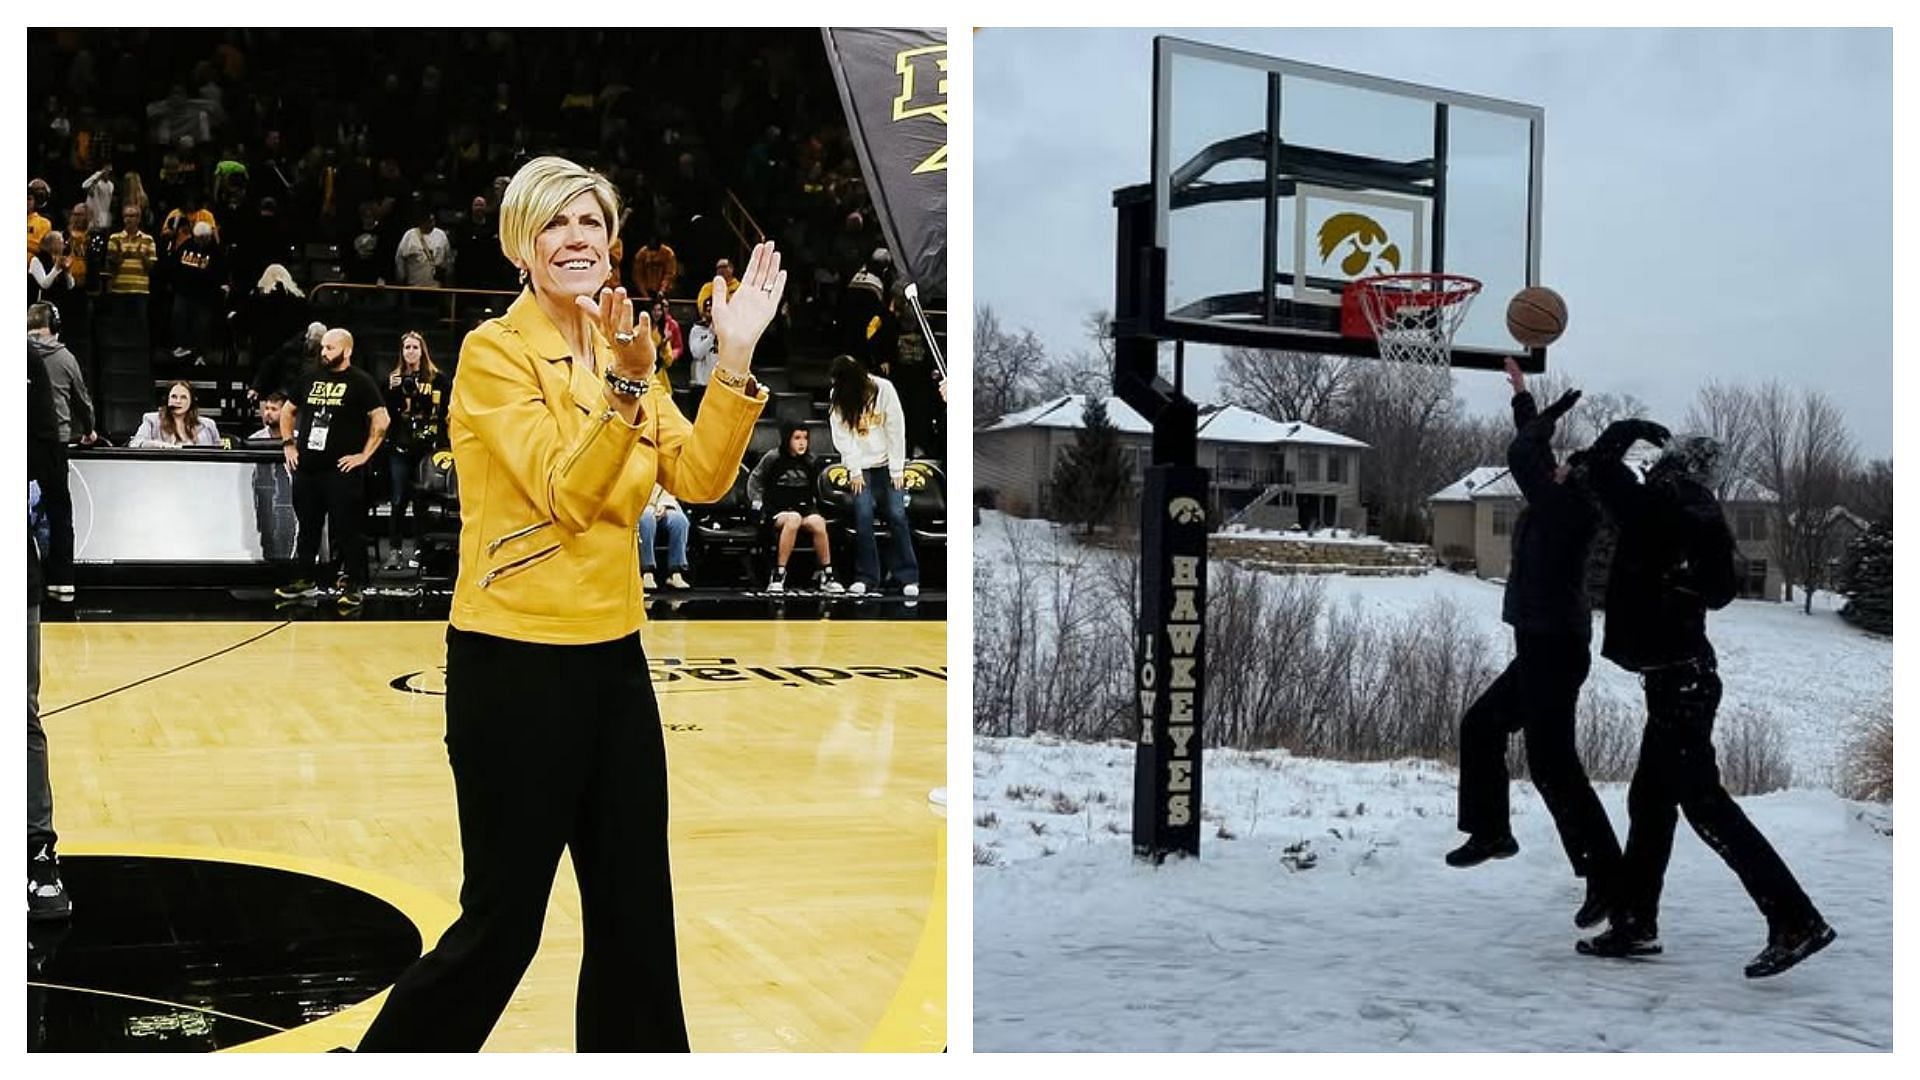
(1336, 467)
(1749, 524)
(1276, 468)
(1309, 467)
(1235, 467)
(1503, 514)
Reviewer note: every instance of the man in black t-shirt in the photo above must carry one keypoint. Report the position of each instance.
(330, 428)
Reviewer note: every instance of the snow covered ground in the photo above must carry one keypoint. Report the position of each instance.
(1329, 922)
(1321, 917)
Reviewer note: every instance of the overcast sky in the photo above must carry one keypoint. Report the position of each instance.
(1717, 203)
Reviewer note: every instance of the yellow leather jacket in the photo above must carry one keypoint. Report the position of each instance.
(552, 481)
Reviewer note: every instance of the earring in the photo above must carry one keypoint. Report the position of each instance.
(523, 277)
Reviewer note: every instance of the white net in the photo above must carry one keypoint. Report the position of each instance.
(1414, 316)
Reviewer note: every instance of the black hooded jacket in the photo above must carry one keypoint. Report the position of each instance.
(1546, 586)
(1675, 561)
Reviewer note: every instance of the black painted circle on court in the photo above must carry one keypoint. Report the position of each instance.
(194, 955)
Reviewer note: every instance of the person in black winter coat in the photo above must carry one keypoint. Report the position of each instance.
(1546, 604)
(1674, 562)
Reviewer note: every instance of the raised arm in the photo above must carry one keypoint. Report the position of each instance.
(1624, 497)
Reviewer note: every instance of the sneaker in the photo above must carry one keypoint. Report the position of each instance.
(1599, 901)
(351, 597)
(1625, 938)
(676, 581)
(859, 588)
(296, 590)
(647, 580)
(779, 582)
(911, 592)
(832, 586)
(1479, 849)
(1786, 948)
(46, 893)
(62, 593)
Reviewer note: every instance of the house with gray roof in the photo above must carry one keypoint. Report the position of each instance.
(1310, 476)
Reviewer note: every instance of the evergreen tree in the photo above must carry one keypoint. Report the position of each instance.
(1867, 579)
(1090, 480)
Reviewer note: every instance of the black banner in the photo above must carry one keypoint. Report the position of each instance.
(893, 85)
(1170, 668)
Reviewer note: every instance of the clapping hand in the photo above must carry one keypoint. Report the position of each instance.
(739, 319)
(633, 344)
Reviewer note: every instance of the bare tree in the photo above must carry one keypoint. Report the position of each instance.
(1802, 451)
(1005, 365)
(1870, 491)
(1407, 417)
(1729, 413)
(1598, 410)
(1288, 385)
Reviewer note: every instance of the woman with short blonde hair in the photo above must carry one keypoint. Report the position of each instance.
(559, 433)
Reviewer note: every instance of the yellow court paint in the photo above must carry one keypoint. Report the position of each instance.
(808, 880)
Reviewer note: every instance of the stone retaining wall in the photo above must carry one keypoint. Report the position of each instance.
(1304, 556)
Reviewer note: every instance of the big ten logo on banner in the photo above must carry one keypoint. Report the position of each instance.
(923, 92)
(1170, 677)
(1340, 236)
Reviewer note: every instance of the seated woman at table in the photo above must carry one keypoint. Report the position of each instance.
(175, 424)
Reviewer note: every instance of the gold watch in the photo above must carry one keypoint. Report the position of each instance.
(742, 381)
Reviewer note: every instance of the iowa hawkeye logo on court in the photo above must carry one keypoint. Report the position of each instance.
(717, 673)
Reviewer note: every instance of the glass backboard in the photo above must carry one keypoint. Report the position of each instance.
(1276, 184)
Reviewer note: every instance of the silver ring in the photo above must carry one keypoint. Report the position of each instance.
(766, 288)
(623, 338)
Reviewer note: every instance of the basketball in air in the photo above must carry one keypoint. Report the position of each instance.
(1536, 316)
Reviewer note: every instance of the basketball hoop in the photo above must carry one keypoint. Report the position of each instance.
(1413, 317)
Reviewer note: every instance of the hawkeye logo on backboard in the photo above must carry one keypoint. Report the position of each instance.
(1366, 245)
(923, 92)
(717, 673)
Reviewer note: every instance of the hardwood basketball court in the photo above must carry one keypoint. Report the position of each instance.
(806, 853)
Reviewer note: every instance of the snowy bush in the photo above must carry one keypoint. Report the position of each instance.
(1050, 648)
(1869, 764)
(1752, 754)
(1288, 668)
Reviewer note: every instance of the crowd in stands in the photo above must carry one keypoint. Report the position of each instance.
(174, 170)
(190, 189)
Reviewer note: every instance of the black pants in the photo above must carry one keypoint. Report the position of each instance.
(1537, 694)
(56, 499)
(323, 495)
(1677, 773)
(39, 793)
(401, 466)
(552, 747)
